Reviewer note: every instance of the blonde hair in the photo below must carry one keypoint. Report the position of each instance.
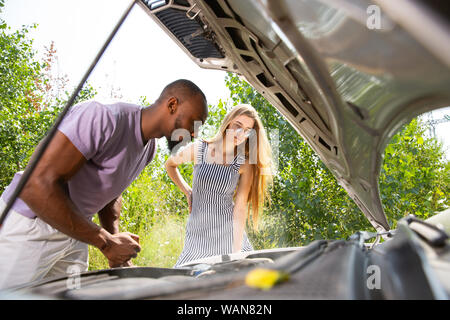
(262, 166)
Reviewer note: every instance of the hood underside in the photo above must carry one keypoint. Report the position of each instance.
(345, 74)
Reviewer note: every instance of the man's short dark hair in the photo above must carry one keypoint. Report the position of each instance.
(182, 89)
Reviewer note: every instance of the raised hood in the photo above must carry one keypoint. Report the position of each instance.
(346, 74)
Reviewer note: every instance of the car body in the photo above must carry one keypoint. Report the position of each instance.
(413, 264)
(346, 75)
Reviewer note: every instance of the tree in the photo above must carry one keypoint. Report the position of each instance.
(415, 176)
(28, 105)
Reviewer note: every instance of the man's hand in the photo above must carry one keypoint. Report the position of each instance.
(120, 248)
(127, 264)
(109, 218)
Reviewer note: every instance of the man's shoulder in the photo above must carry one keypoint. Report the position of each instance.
(112, 114)
(123, 106)
(88, 104)
(113, 108)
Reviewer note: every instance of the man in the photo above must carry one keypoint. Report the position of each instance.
(96, 153)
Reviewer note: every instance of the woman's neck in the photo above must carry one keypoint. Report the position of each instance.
(227, 147)
(222, 151)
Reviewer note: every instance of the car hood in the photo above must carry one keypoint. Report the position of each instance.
(346, 74)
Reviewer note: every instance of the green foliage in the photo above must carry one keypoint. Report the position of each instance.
(143, 203)
(415, 176)
(18, 75)
(308, 203)
(161, 244)
(25, 112)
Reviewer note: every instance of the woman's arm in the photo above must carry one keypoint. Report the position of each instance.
(183, 155)
(241, 205)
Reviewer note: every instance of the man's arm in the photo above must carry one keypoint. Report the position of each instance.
(45, 195)
(109, 216)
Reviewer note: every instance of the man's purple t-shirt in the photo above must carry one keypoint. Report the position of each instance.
(109, 137)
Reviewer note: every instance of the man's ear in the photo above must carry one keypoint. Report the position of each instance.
(172, 104)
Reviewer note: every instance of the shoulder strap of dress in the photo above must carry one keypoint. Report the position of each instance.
(201, 152)
(239, 160)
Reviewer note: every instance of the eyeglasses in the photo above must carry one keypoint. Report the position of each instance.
(240, 130)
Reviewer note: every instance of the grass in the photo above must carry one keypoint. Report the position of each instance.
(161, 246)
(155, 210)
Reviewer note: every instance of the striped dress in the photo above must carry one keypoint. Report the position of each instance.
(209, 229)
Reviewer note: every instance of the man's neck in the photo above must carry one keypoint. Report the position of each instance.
(151, 123)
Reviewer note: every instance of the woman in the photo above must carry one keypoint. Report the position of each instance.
(234, 165)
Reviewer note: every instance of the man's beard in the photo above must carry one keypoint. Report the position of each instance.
(170, 143)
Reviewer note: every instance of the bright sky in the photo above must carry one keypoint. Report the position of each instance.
(140, 61)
